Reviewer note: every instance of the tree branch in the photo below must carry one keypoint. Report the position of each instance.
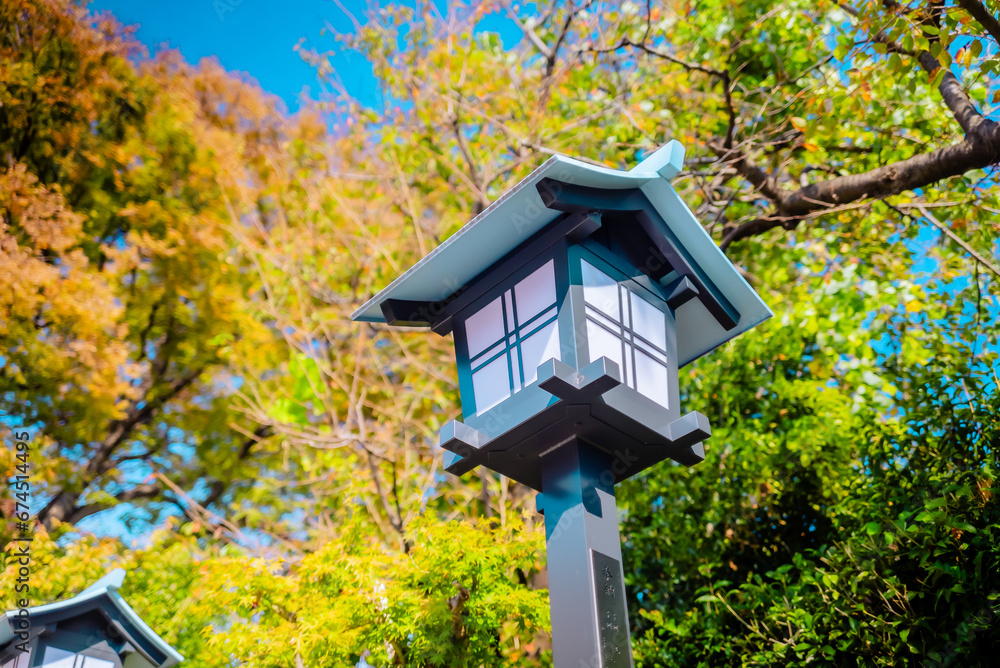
(627, 42)
(153, 490)
(550, 60)
(722, 75)
(958, 240)
(977, 11)
(953, 94)
(979, 149)
(976, 152)
(766, 183)
(144, 491)
(63, 505)
(529, 32)
(950, 88)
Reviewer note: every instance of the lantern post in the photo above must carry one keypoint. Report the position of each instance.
(573, 300)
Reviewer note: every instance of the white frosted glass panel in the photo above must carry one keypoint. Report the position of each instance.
(551, 313)
(491, 384)
(57, 658)
(599, 317)
(536, 293)
(91, 662)
(485, 327)
(602, 343)
(22, 660)
(648, 322)
(600, 290)
(540, 347)
(651, 379)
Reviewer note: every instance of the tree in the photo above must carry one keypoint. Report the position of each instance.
(841, 153)
(846, 510)
(122, 303)
(454, 601)
(133, 324)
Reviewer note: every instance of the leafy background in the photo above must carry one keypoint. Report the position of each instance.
(180, 257)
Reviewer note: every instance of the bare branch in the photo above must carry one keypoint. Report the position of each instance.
(958, 240)
(722, 75)
(529, 32)
(627, 42)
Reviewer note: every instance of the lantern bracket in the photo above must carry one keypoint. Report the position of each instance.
(591, 405)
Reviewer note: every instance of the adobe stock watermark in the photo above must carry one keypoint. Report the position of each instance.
(19, 550)
(224, 7)
(978, 621)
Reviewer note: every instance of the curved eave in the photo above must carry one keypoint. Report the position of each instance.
(173, 656)
(520, 213)
(698, 332)
(512, 219)
(98, 597)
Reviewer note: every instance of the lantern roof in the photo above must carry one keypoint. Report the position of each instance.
(562, 185)
(103, 598)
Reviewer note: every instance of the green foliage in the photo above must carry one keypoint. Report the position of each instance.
(169, 236)
(846, 511)
(456, 599)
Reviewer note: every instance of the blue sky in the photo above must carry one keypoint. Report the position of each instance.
(253, 36)
(258, 37)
